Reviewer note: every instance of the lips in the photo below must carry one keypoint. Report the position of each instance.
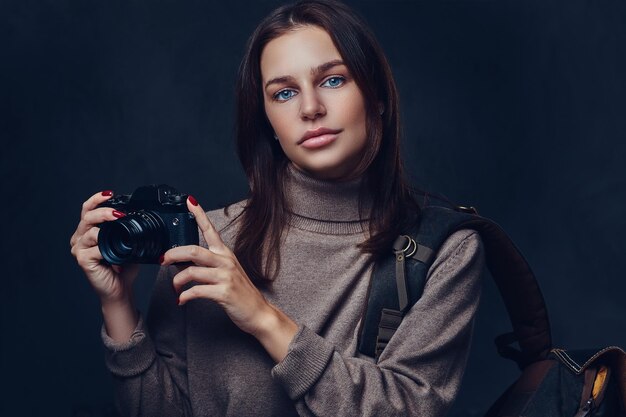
(321, 131)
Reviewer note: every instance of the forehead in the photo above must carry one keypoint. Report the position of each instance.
(296, 51)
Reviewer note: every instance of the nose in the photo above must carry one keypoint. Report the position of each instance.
(311, 106)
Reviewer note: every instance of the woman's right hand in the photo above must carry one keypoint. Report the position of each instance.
(113, 284)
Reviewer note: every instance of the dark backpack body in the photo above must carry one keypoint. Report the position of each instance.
(549, 385)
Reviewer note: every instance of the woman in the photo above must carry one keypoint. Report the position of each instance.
(265, 321)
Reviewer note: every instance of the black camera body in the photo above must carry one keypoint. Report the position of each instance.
(157, 219)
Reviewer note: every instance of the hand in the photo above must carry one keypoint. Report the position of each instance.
(219, 277)
(111, 283)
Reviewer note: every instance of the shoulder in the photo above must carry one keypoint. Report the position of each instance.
(467, 241)
(462, 253)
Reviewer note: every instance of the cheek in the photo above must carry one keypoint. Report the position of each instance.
(355, 116)
(352, 106)
(279, 119)
(358, 121)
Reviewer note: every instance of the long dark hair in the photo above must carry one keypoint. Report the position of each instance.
(262, 221)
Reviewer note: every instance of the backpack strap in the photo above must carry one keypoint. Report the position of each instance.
(512, 274)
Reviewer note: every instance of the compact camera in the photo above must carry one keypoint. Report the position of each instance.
(156, 220)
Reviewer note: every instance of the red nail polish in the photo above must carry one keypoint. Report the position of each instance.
(107, 193)
(161, 259)
(193, 200)
(118, 214)
(178, 300)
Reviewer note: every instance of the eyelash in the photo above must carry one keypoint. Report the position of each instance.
(276, 96)
(335, 77)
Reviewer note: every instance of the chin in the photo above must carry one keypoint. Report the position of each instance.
(327, 168)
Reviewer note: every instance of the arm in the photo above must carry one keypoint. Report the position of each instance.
(219, 277)
(419, 372)
(112, 283)
(148, 380)
(149, 369)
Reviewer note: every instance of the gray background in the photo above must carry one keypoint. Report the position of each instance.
(515, 107)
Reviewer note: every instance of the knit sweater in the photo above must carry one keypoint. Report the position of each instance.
(192, 360)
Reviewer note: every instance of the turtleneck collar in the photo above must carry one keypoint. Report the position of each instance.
(324, 206)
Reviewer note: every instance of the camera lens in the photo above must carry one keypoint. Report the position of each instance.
(138, 237)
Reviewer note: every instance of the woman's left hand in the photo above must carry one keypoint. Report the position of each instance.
(219, 277)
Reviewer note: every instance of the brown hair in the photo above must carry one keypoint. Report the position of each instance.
(264, 162)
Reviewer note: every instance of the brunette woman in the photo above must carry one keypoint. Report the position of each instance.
(265, 322)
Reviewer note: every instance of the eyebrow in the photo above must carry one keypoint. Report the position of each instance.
(314, 71)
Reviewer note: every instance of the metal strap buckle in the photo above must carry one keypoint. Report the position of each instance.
(465, 209)
(410, 248)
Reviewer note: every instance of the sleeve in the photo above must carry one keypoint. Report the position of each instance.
(420, 370)
(150, 370)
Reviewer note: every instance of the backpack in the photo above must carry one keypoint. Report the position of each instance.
(553, 382)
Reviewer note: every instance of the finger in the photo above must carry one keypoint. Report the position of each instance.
(101, 215)
(91, 215)
(211, 292)
(95, 200)
(87, 240)
(195, 254)
(89, 258)
(200, 275)
(211, 236)
(95, 217)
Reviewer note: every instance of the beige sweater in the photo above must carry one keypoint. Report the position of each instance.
(192, 360)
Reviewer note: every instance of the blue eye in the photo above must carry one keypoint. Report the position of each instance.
(284, 95)
(334, 82)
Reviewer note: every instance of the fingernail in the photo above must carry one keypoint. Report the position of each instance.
(118, 214)
(161, 259)
(193, 200)
(107, 193)
(178, 300)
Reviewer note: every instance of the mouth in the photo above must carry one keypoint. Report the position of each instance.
(321, 134)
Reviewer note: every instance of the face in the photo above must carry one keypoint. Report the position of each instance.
(313, 104)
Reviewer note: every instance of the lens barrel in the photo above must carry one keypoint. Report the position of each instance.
(138, 237)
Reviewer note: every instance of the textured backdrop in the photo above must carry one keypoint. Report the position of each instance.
(515, 107)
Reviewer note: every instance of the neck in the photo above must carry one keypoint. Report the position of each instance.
(323, 204)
